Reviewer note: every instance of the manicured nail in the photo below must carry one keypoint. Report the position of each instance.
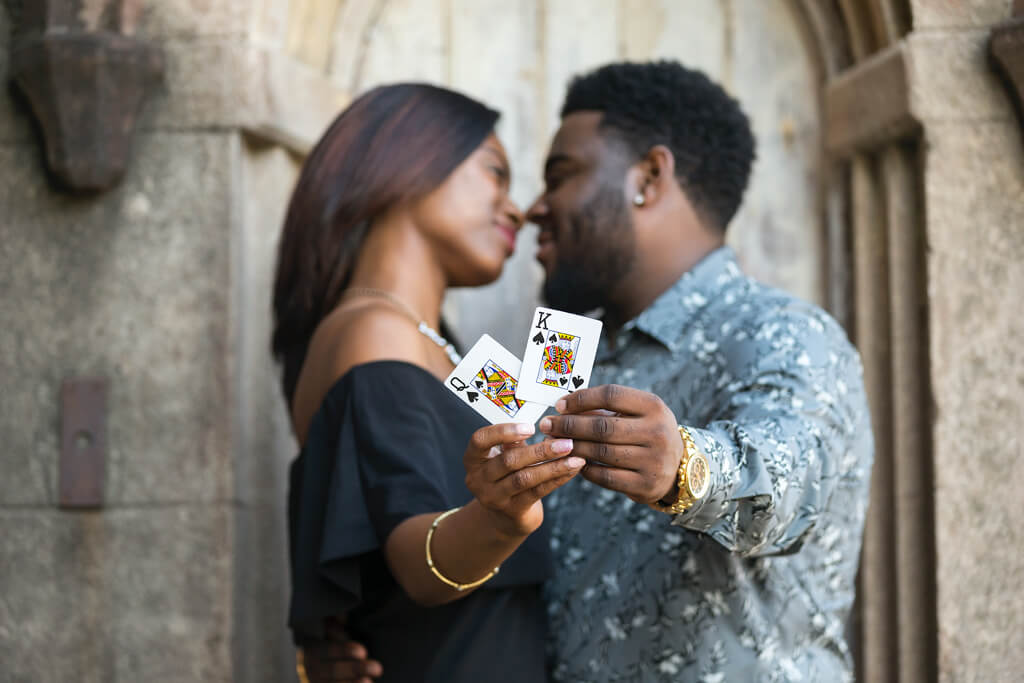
(545, 425)
(524, 428)
(560, 405)
(561, 445)
(575, 463)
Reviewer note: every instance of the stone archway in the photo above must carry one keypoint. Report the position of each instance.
(854, 136)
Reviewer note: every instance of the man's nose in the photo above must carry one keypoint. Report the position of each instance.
(537, 211)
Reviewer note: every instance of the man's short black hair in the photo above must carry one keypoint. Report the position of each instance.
(664, 103)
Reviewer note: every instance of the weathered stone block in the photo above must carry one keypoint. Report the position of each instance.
(950, 78)
(130, 595)
(930, 14)
(696, 36)
(404, 40)
(216, 83)
(979, 472)
(134, 287)
(176, 19)
(782, 205)
(578, 36)
(974, 190)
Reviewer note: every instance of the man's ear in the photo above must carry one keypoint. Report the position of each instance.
(653, 177)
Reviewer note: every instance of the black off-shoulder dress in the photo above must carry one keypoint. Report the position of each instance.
(387, 444)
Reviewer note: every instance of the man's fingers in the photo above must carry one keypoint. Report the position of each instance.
(530, 477)
(613, 397)
(616, 430)
(622, 457)
(485, 438)
(349, 650)
(614, 479)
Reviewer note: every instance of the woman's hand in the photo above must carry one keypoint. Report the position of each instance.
(509, 477)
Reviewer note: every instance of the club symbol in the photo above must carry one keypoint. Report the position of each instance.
(472, 396)
(538, 338)
(562, 381)
(577, 381)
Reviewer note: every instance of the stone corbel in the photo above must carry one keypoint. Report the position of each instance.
(1006, 52)
(85, 78)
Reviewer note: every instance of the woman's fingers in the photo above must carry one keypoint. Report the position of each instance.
(530, 477)
(485, 438)
(514, 458)
(528, 498)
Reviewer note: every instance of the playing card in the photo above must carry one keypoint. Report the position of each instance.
(559, 356)
(486, 381)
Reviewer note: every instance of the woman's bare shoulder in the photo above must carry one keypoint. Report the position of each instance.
(351, 336)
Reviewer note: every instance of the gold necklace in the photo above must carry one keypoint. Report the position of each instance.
(421, 325)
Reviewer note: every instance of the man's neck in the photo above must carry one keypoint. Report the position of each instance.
(649, 280)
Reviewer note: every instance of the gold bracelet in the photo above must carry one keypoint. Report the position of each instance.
(430, 560)
(300, 666)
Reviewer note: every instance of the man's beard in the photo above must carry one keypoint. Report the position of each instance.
(597, 256)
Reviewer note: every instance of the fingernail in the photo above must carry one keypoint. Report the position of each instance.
(560, 405)
(545, 425)
(561, 445)
(575, 463)
(524, 428)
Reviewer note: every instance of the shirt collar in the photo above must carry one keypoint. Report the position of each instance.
(668, 316)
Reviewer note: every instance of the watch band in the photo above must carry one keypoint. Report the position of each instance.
(694, 477)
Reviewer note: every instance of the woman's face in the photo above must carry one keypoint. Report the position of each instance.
(470, 219)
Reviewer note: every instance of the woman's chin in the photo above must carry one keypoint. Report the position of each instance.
(483, 274)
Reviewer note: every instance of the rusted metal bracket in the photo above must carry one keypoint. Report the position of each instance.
(1006, 54)
(85, 79)
(83, 449)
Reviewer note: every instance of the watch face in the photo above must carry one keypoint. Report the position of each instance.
(698, 477)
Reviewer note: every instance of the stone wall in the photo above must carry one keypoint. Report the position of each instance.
(162, 286)
(974, 205)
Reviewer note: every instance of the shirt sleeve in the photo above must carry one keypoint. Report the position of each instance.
(783, 435)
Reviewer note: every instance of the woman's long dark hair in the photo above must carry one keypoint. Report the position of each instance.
(394, 144)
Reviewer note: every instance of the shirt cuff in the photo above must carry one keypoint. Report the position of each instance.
(703, 514)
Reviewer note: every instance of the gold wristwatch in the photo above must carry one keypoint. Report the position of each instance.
(694, 477)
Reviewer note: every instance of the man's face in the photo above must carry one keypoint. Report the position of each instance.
(586, 241)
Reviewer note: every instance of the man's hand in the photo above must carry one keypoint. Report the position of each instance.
(632, 445)
(339, 659)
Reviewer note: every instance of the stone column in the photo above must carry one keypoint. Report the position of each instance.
(974, 210)
(160, 285)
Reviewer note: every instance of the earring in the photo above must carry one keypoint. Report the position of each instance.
(639, 199)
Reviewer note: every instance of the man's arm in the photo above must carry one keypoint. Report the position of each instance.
(776, 447)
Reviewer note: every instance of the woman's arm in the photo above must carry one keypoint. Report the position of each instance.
(508, 479)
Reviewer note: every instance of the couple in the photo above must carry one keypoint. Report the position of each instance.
(711, 484)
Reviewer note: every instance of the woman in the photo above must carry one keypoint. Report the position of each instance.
(405, 195)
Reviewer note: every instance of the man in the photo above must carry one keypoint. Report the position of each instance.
(731, 415)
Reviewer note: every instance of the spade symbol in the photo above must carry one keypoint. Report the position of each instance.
(479, 384)
(538, 338)
(562, 381)
(577, 381)
(552, 338)
(472, 396)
